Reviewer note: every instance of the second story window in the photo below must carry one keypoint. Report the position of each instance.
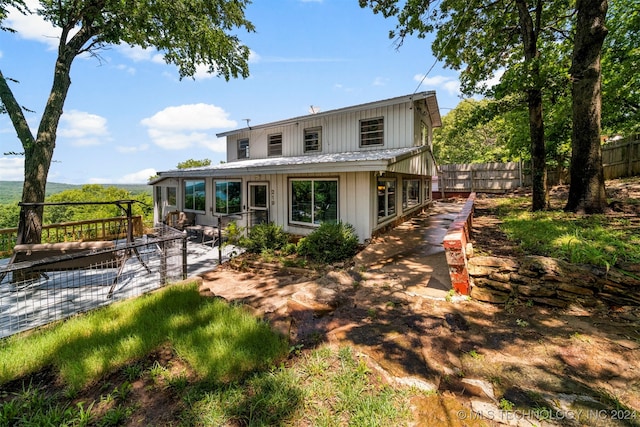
(372, 132)
(275, 145)
(312, 140)
(243, 148)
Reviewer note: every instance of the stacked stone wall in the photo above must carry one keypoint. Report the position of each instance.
(550, 281)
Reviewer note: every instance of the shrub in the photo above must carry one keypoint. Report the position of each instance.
(331, 242)
(264, 237)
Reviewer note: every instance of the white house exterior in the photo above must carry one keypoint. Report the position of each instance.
(369, 165)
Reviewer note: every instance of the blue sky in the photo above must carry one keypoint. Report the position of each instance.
(128, 115)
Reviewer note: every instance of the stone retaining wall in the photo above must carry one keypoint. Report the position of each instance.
(550, 281)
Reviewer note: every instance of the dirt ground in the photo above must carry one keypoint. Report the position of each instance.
(574, 366)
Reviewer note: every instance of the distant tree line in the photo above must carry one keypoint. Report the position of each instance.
(10, 212)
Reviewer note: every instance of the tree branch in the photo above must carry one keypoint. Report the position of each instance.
(15, 114)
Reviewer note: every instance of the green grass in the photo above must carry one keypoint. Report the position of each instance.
(598, 240)
(239, 371)
(219, 341)
(325, 387)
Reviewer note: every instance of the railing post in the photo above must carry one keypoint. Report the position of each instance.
(184, 257)
(219, 240)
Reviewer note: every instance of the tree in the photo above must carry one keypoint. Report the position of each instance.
(620, 64)
(188, 33)
(192, 163)
(587, 192)
(482, 38)
(468, 136)
(527, 39)
(95, 193)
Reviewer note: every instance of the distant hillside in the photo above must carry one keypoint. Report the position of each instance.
(11, 191)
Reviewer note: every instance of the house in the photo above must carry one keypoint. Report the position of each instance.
(369, 165)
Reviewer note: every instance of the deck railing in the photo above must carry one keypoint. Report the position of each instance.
(76, 231)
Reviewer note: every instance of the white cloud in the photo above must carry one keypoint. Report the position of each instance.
(184, 126)
(82, 128)
(140, 177)
(448, 83)
(127, 150)
(33, 26)
(254, 57)
(11, 168)
(380, 81)
(126, 69)
(493, 80)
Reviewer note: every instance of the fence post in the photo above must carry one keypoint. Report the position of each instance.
(629, 158)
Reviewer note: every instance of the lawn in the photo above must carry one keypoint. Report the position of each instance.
(605, 240)
(175, 357)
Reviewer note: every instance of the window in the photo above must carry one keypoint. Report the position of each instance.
(243, 148)
(194, 195)
(275, 145)
(172, 195)
(228, 197)
(410, 193)
(312, 140)
(314, 201)
(424, 134)
(386, 198)
(372, 132)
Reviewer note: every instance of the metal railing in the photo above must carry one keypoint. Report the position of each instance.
(76, 231)
(39, 291)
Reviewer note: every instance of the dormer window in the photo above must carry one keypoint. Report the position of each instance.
(275, 145)
(372, 132)
(243, 148)
(313, 140)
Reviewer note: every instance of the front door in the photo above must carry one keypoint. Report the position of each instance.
(258, 203)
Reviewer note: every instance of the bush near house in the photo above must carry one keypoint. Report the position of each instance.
(331, 242)
(264, 237)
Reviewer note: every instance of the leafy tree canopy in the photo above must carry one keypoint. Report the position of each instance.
(187, 33)
(94, 193)
(192, 163)
(620, 65)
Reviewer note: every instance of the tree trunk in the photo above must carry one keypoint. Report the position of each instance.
(528, 29)
(587, 191)
(38, 153)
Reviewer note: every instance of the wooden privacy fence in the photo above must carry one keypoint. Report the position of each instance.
(619, 159)
(481, 177)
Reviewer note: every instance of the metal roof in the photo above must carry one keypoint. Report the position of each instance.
(372, 160)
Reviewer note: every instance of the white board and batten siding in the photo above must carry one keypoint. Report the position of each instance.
(353, 201)
(340, 132)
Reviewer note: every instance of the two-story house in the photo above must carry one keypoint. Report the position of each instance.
(369, 165)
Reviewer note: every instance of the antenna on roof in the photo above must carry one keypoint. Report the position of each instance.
(313, 109)
(247, 120)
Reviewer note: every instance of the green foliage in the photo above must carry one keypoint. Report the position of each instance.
(331, 242)
(95, 193)
(468, 135)
(11, 191)
(595, 239)
(9, 215)
(265, 237)
(192, 163)
(188, 33)
(620, 64)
